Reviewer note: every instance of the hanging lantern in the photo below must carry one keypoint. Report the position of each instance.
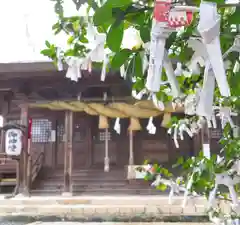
(13, 141)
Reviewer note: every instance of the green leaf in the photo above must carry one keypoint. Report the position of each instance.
(216, 1)
(115, 36)
(118, 3)
(145, 33)
(102, 15)
(180, 161)
(70, 40)
(234, 18)
(76, 26)
(120, 58)
(48, 44)
(46, 52)
(162, 187)
(77, 3)
(138, 66)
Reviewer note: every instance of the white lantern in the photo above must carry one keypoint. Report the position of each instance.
(13, 142)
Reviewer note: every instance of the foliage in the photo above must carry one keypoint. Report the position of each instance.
(114, 17)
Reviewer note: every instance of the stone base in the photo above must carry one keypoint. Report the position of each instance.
(67, 194)
(101, 206)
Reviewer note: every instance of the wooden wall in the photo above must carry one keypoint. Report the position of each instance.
(89, 148)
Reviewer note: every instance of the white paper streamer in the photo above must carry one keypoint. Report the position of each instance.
(117, 126)
(151, 127)
(178, 71)
(175, 89)
(104, 68)
(190, 104)
(74, 68)
(167, 64)
(199, 56)
(159, 34)
(225, 114)
(174, 186)
(225, 179)
(158, 104)
(59, 60)
(205, 104)
(209, 28)
(139, 95)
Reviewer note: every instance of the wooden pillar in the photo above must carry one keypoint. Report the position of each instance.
(70, 147)
(106, 159)
(2, 148)
(68, 153)
(54, 142)
(24, 158)
(4, 114)
(131, 153)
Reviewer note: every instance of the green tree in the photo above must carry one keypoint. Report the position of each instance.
(113, 18)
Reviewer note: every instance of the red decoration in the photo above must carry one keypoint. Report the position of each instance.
(163, 13)
(29, 128)
(161, 10)
(179, 18)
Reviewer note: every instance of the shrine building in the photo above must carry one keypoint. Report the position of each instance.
(86, 137)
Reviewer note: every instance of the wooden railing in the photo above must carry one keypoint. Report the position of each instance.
(7, 166)
(37, 164)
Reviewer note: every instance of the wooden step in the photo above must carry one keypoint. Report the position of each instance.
(91, 181)
(87, 172)
(87, 178)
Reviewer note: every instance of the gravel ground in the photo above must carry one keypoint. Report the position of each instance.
(104, 223)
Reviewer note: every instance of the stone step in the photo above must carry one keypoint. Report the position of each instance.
(98, 192)
(86, 211)
(106, 199)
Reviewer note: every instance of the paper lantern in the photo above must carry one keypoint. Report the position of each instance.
(13, 142)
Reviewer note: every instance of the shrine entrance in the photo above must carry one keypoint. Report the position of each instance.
(81, 149)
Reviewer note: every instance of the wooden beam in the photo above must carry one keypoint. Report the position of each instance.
(35, 84)
(26, 67)
(34, 70)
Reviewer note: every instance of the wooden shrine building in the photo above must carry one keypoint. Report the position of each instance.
(74, 147)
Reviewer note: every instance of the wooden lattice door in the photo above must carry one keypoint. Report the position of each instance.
(81, 141)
